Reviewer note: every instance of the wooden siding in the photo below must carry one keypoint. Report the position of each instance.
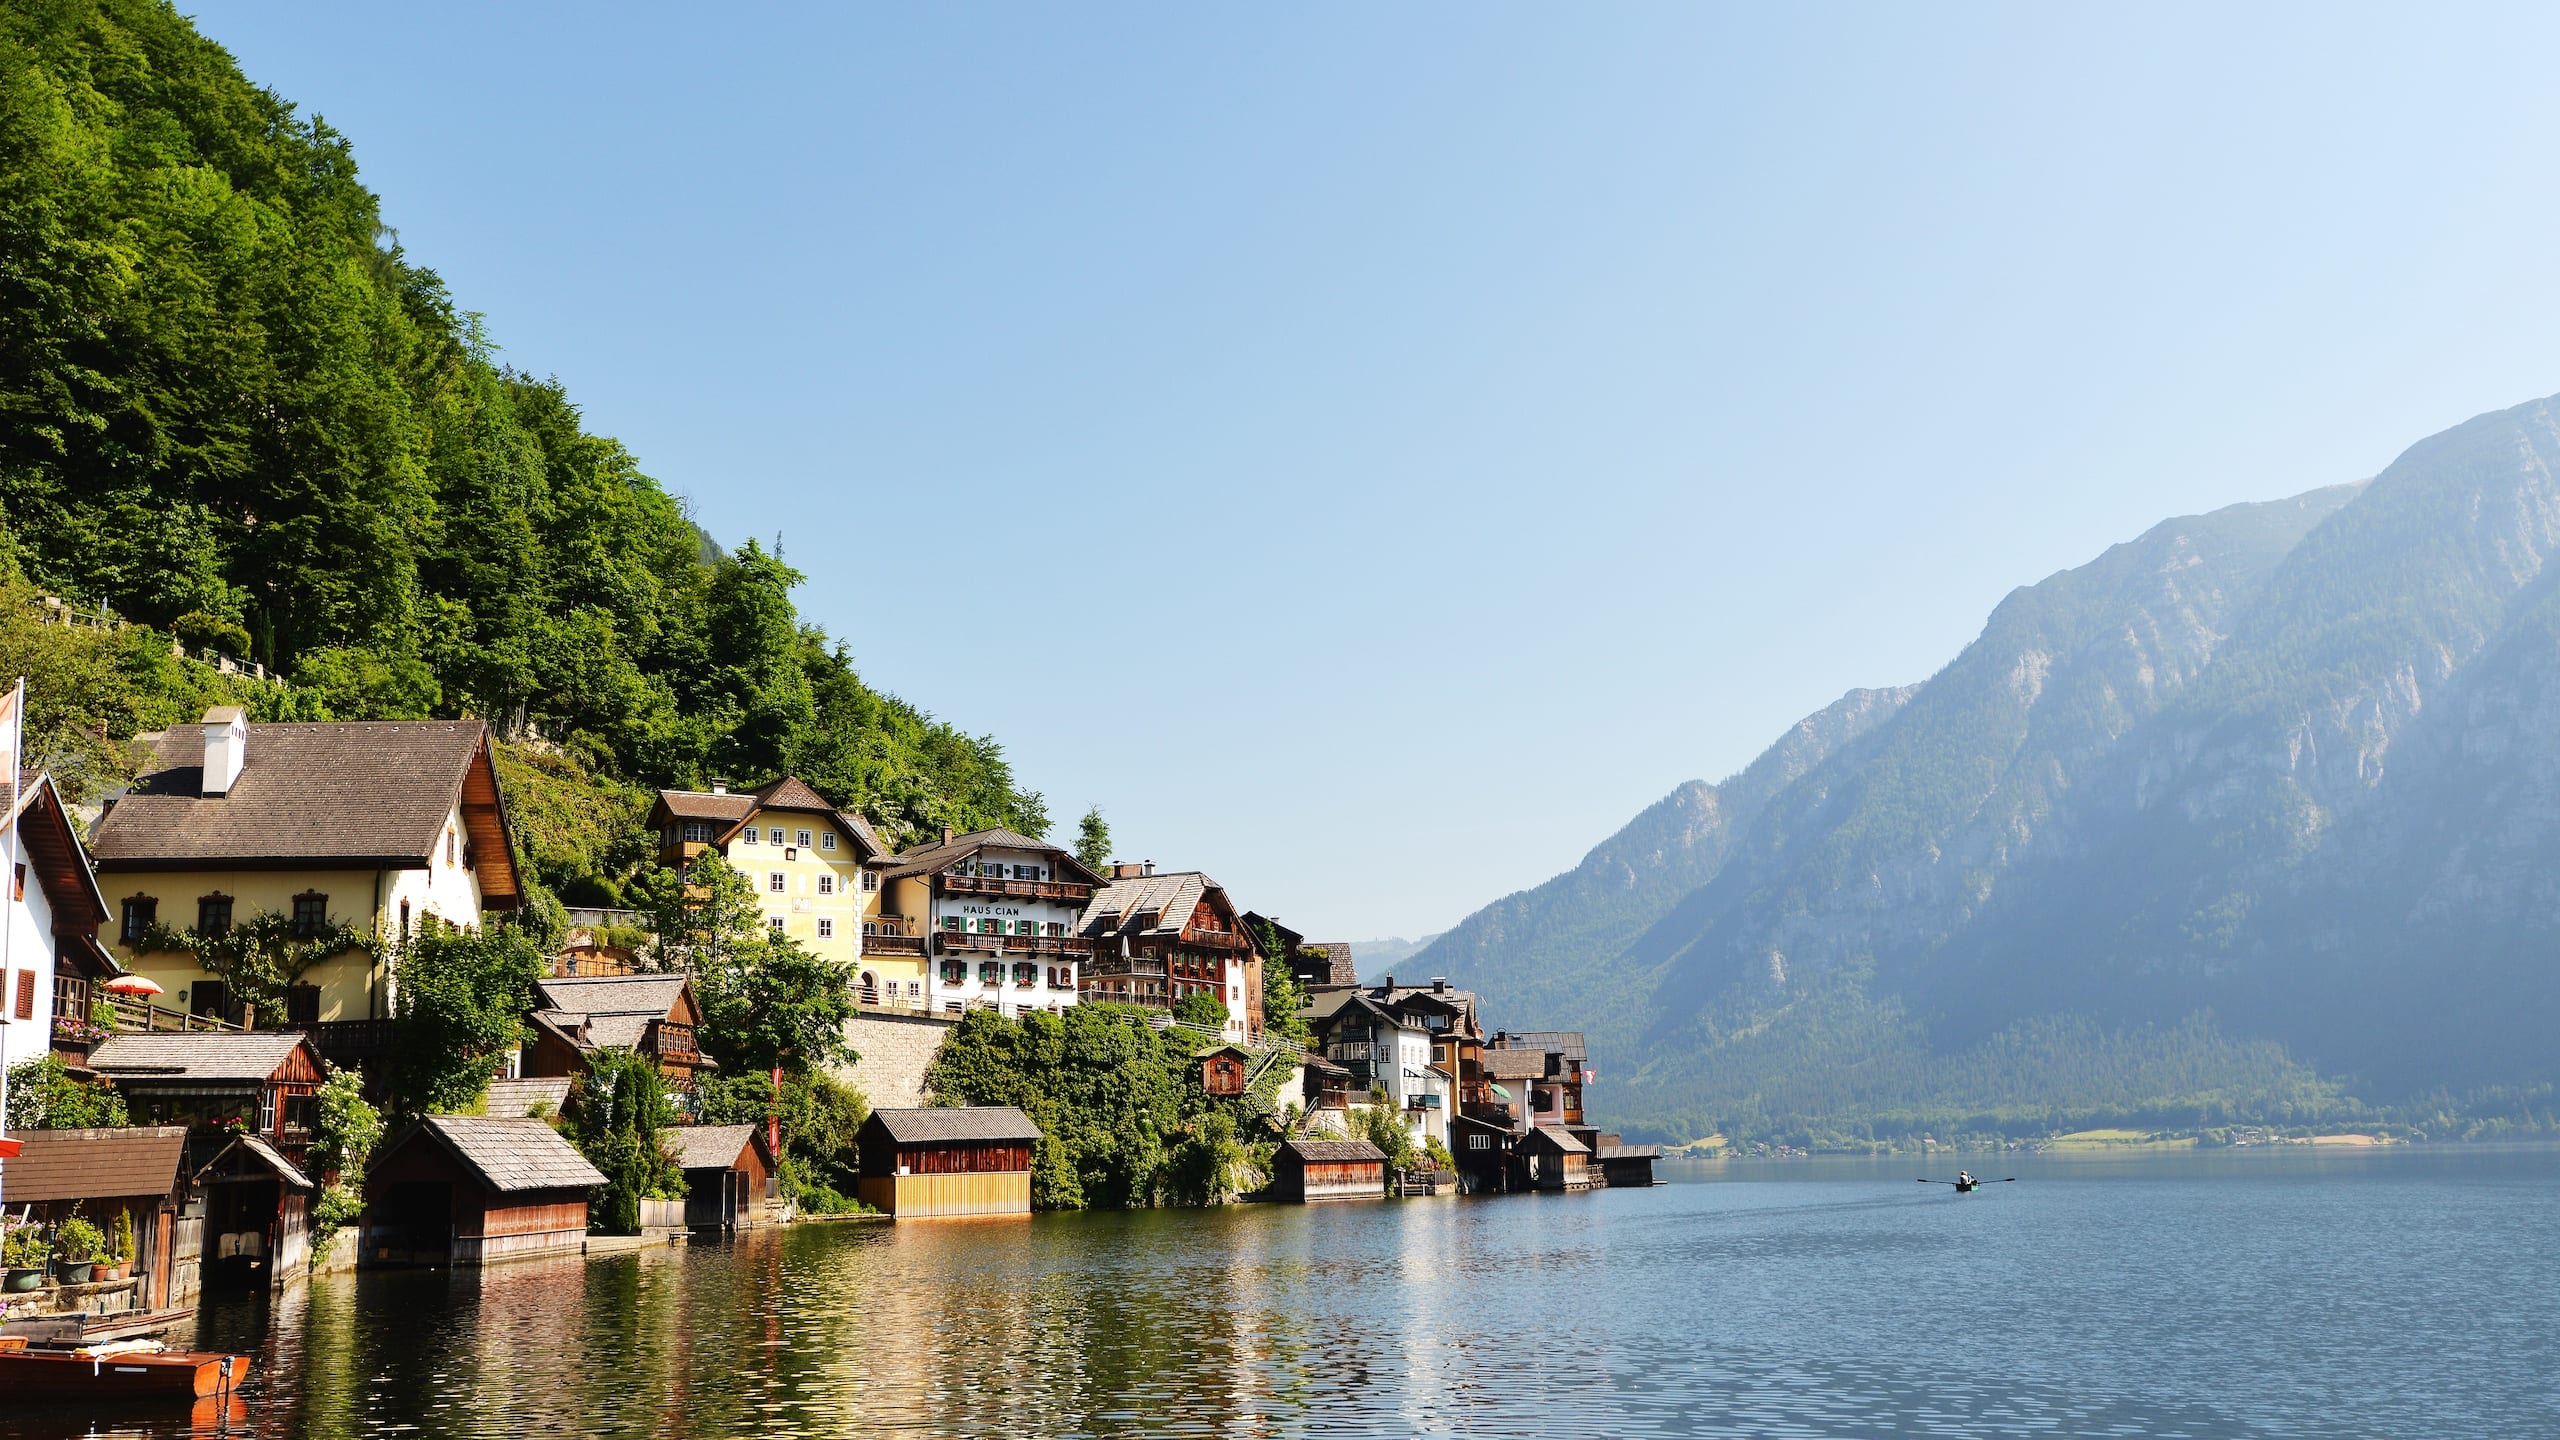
(975, 1193)
(533, 1212)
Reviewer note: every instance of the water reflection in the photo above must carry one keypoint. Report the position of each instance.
(2416, 1297)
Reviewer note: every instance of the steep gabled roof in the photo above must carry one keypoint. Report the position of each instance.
(1515, 1064)
(712, 1147)
(1565, 1141)
(956, 1124)
(650, 995)
(508, 1155)
(1339, 969)
(931, 859)
(726, 807)
(1157, 905)
(329, 795)
(56, 856)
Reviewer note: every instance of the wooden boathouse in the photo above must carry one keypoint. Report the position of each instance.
(475, 1190)
(1554, 1158)
(1304, 1171)
(948, 1160)
(728, 1176)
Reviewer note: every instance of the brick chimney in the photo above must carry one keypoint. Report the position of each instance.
(946, 834)
(226, 749)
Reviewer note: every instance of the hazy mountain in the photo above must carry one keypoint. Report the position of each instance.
(1380, 957)
(2260, 797)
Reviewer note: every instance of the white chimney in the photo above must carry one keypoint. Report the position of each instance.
(226, 749)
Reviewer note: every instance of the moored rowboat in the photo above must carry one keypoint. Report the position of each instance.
(142, 1374)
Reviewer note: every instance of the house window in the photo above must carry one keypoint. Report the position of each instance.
(310, 914)
(404, 922)
(697, 832)
(140, 914)
(954, 924)
(773, 881)
(1057, 927)
(991, 973)
(801, 838)
(826, 884)
(209, 997)
(301, 1112)
(749, 835)
(915, 989)
(1479, 1141)
(774, 835)
(213, 915)
(302, 1005)
(452, 844)
(774, 923)
(827, 840)
(826, 929)
(954, 971)
(267, 1111)
(870, 882)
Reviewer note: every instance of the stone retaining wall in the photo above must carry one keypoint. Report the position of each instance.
(895, 1050)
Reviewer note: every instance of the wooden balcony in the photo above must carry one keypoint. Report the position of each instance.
(348, 1042)
(1019, 889)
(134, 1013)
(893, 945)
(948, 942)
(672, 1043)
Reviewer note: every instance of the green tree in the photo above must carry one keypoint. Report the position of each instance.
(341, 1142)
(618, 1114)
(45, 1095)
(769, 1003)
(1093, 841)
(463, 996)
(703, 919)
(1282, 998)
(1201, 1008)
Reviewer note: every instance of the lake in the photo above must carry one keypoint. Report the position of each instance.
(2267, 1293)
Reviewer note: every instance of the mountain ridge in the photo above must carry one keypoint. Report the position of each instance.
(2212, 803)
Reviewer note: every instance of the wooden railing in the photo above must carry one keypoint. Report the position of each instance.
(893, 944)
(343, 1041)
(951, 940)
(137, 1013)
(672, 1042)
(1025, 889)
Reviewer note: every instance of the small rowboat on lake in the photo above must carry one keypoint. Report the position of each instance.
(139, 1370)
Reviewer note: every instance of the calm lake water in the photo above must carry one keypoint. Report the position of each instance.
(2408, 1293)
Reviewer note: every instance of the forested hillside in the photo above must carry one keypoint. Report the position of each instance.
(2255, 817)
(234, 410)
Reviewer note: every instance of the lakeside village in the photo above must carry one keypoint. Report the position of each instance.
(227, 990)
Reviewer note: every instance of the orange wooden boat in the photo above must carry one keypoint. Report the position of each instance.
(109, 1371)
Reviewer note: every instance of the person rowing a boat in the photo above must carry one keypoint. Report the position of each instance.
(1965, 1180)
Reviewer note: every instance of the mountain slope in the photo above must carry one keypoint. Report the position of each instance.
(1543, 948)
(2261, 796)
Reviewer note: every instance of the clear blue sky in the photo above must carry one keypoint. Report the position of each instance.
(1373, 451)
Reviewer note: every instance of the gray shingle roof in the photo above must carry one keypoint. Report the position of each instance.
(341, 791)
(1628, 1152)
(1146, 904)
(1515, 1064)
(650, 995)
(710, 1147)
(1340, 970)
(1563, 1139)
(1332, 1152)
(943, 1124)
(942, 856)
(273, 1159)
(1561, 1042)
(510, 1098)
(703, 805)
(510, 1155)
(198, 1056)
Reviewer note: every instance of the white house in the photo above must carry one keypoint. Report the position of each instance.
(999, 911)
(54, 908)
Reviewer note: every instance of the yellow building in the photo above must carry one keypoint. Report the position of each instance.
(815, 869)
(372, 825)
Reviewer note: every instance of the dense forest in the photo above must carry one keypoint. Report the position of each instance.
(234, 411)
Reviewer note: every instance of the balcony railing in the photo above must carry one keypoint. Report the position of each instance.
(951, 940)
(672, 1042)
(1024, 889)
(345, 1041)
(134, 1013)
(893, 944)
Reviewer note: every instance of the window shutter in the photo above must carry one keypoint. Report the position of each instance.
(26, 994)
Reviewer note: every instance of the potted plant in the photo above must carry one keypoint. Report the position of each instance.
(22, 1254)
(120, 1245)
(77, 1244)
